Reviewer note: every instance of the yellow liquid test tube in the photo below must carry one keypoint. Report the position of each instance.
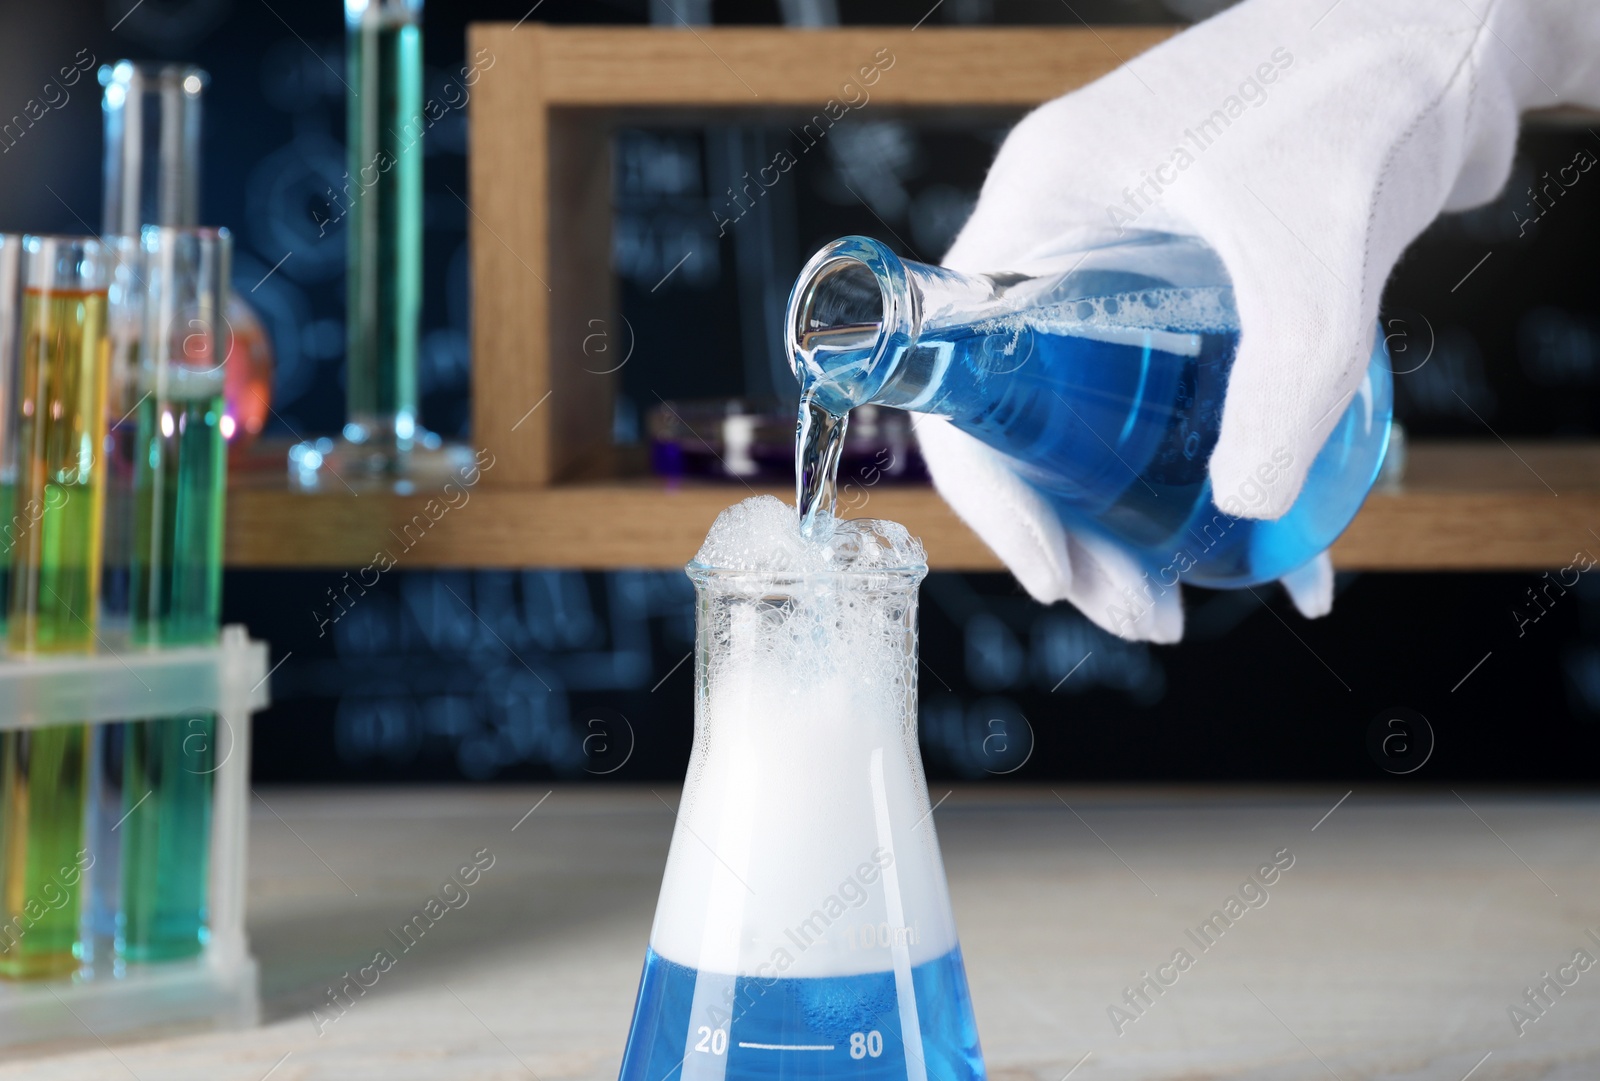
(55, 564)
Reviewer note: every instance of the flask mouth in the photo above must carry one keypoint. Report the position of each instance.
(851, 308)
(754, 547)
(857, 553)
(739, 580)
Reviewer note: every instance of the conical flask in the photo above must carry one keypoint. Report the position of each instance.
(804, 927)
(1101, 374)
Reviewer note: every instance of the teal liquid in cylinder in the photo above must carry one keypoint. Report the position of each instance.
(175, 583)
(1102, 382)
(385, 127)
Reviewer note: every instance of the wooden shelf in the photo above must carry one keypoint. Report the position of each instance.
(1465, 506)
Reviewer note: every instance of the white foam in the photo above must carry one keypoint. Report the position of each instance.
(1195, 311)
(760, 535)
(805, 758)
(1170, 320)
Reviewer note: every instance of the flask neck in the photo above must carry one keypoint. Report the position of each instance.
(866, 327)
(857, 313)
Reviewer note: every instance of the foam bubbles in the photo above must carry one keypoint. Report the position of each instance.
(1208, 310)
(805, 774)
(762, 535)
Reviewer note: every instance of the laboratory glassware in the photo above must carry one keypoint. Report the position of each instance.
(54, 604)
(1100, 374)
(151, 120)
(219, 988)
(384, 130)
(380, 209)
(152, 123)
(10, 345)
(175, 583)
(804, 927)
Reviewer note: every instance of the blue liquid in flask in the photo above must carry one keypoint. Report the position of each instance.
(1104, 385)
(797, 1029)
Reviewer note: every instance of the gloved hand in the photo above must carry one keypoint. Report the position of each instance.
(1308, 142)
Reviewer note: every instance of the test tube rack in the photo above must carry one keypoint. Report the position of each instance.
(217, 989)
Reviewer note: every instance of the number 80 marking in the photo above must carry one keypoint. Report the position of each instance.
(863, 1044)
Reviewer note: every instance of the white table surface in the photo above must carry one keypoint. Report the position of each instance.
(1411, 920)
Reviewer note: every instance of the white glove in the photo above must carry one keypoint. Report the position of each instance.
(1308, 142)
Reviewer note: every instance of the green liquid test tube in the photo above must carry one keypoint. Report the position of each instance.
(55, 564)
(152, 127)
(175, 586)
(166, 839)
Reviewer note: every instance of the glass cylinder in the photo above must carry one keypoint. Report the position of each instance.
(804, 926)
(54, 606)
(151, 115)
(179, 488)
(384, 232)
(152, 123)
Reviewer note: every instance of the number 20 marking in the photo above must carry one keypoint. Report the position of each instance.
(714, 1041)
(863, 1044)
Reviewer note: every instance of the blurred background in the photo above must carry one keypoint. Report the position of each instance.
(584, 675)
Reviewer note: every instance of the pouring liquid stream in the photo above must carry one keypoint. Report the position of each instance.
(819, 440)
(820, 429)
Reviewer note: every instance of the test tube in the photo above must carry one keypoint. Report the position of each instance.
(10, 335)
(125, 316)
(54, 604)
(384, 246)
(175, 584)
(151, 114)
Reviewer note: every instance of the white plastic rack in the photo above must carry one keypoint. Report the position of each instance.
(217, 989)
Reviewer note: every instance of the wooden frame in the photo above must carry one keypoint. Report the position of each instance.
(541, 117)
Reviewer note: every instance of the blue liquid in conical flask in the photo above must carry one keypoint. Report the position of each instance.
(1110, 404)
(751, 1027)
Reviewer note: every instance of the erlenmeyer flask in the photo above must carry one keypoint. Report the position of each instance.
(804, 927)
(1100, 374)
